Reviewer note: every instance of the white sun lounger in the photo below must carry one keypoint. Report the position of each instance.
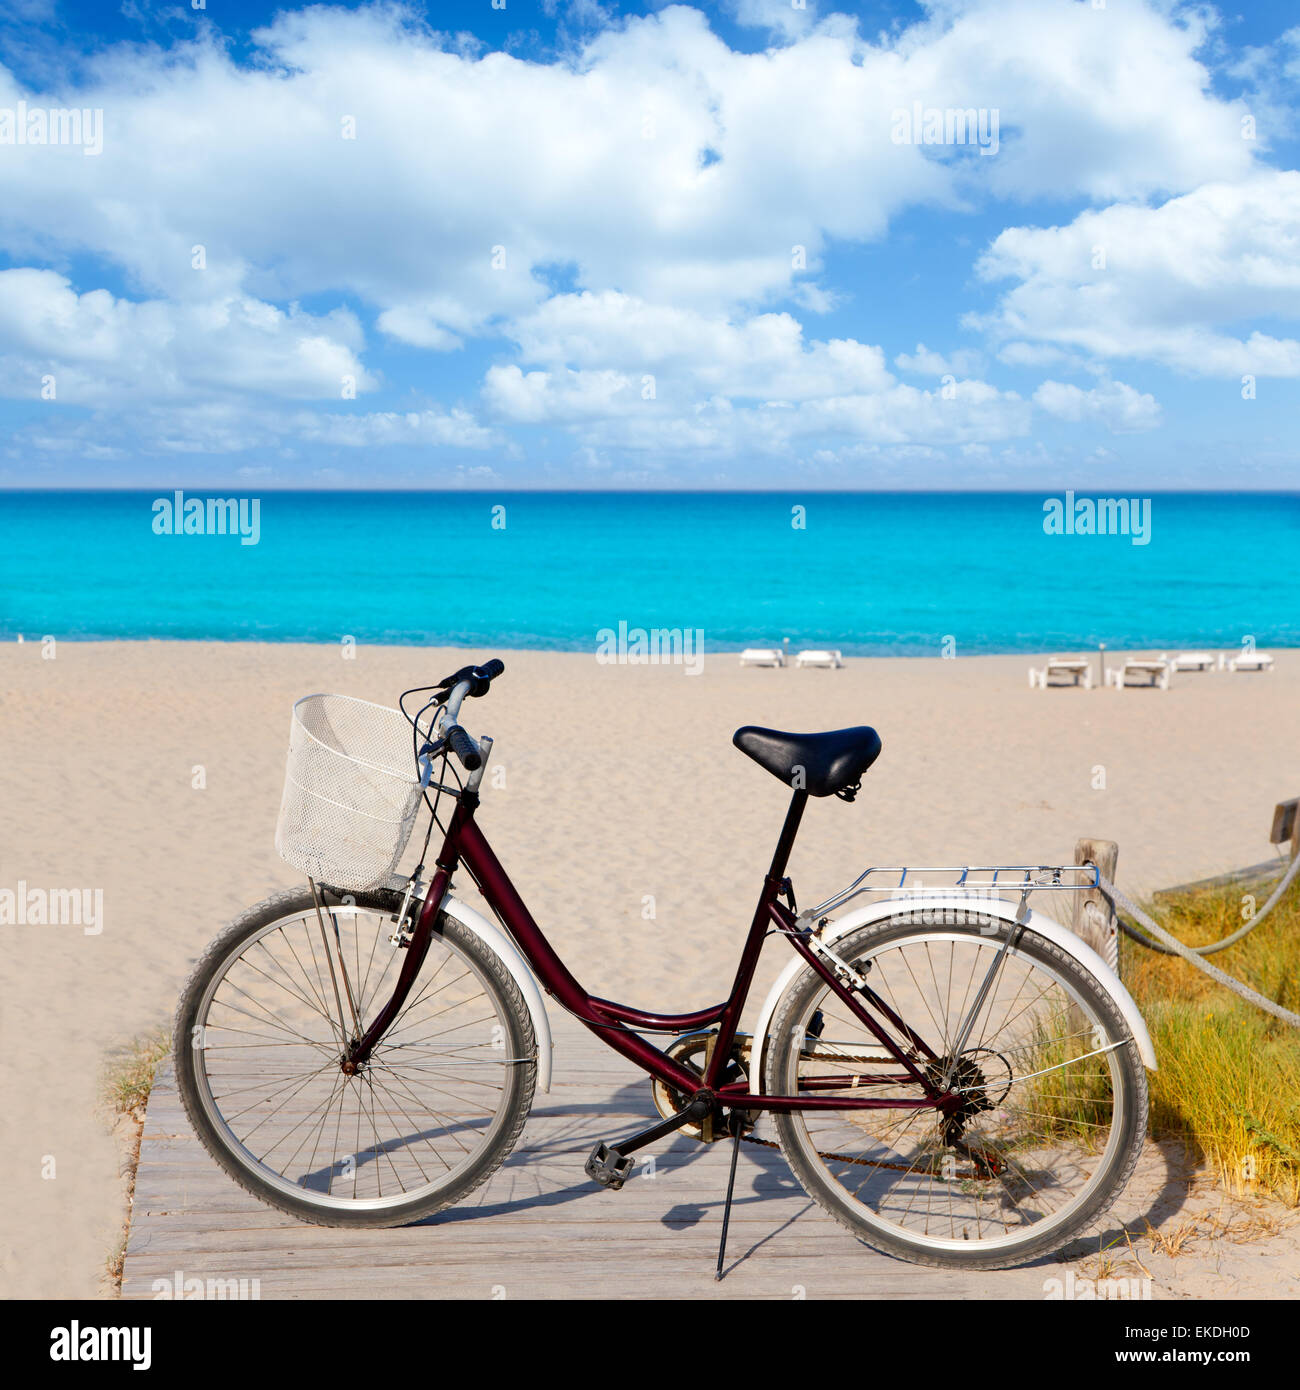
(814, 658)
(762, 656)
(1156, 670)
(1193, 661)
(1251, 661)
(1079, 669)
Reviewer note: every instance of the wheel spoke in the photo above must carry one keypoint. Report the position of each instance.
(1018, 1152)
(441, 1084)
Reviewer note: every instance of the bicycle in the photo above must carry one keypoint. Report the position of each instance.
(954, 1077)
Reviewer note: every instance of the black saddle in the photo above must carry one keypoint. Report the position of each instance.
(820, 764)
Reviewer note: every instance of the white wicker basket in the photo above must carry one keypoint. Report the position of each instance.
(350, 792)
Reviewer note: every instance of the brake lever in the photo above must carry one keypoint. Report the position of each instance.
(480, 679)
(424, 759)
(466, 673)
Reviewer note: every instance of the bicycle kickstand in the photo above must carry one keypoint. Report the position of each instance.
(737, 1126)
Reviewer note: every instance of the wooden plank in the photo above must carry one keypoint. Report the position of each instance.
(1253, 876)
(1285, 827)
(538, 1229)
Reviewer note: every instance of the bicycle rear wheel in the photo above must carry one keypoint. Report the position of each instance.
(1055, 1095)
(260, 1032)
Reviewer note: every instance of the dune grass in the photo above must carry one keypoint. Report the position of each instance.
(1229, 1079)
(126, 1080)
(130, 1070)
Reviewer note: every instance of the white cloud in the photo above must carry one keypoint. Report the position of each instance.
(923, 362)
(1272, 76)
(410, 323)
(624, 373)
(778, 16)
(454, 429)
(1116, 405)
(598, 162)
(759, 357)
(679, 187)
(536, 397)
(1173, 279)
(1110, 102)
(606, 410)
(31, 11)
(232, 426)
(974, 411)
(1017, 354)
(194, 377)
(108, 351)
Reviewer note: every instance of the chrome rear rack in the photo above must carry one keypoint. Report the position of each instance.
(959, 880)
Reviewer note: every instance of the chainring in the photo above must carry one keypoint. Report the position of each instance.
(692, 1050)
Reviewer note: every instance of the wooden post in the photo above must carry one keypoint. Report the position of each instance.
(1094, 921)
(1286, 825)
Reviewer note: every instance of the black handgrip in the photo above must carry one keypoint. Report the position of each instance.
(479, 677)
(462, 745)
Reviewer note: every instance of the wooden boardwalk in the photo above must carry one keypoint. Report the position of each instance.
(540, 1228)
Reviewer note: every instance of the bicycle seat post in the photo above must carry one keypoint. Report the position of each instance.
(781, 856)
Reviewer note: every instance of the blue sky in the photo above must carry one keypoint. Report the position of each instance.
(585, 245)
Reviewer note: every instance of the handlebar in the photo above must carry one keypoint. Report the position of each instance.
(462, 745)
(478, 678)
(468, 681)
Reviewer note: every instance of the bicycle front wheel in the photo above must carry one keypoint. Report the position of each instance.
(260, 1035)
(1053, 1094)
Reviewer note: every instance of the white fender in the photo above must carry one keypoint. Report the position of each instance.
(988, 907)
(492, 935)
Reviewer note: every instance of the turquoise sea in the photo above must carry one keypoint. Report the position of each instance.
(870, 573)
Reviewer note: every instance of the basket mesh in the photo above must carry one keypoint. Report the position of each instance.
(350, 792)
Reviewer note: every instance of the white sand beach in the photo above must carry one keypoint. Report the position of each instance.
(620, 782)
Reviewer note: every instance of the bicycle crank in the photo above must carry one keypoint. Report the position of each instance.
(694, 1050)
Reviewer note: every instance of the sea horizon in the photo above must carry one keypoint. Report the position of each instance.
(206, 489)
(872, 573)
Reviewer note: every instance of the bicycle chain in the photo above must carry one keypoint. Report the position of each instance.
(841, 1158)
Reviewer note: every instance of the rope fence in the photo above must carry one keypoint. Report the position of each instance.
(1168, 944)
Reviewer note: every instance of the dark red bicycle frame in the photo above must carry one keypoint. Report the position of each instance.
(465, 844)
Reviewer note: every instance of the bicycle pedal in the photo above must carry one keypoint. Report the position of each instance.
(608, 1167)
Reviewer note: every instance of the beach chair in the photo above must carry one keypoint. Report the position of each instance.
(1079, 669)
(762, 656)
(1157, 671)
(1251, 661)
(832, 660)
(1191, 661)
